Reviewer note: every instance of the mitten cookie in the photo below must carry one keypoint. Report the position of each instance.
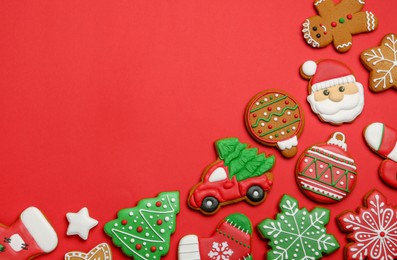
(30, 236)
(231, 240)
(372, 229)
(297, 233)
(381, 61)
(382, 140)
(239, 173)
(334, 94)
(325, 172)
(144, 232)
(274, 118)
(337, 23)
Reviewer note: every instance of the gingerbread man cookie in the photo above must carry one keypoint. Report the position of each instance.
(381, 61)
(337, 23)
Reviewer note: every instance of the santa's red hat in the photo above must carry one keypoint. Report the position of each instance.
(326, 73)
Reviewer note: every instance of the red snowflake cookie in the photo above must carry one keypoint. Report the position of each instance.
(372, 229)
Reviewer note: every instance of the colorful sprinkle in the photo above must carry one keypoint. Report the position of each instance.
(284, 120)
(341, 20)
(349, 16)
(333, 24)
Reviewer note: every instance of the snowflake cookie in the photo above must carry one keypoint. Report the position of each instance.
(231, 240)
(297, 233)
(381, 61)
(144, 232)
(372, 229)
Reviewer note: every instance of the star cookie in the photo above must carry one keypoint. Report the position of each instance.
(80, 223)
(381, 61)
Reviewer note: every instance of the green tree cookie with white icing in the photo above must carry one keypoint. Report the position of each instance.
(297, 233)
(144, 232)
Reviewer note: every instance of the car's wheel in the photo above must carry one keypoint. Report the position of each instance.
(255, 193)
(210, 204)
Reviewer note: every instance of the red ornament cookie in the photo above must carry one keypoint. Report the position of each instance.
(382, 139)
(325, 172)
(231, 240)
(274, 118)
(372, 229)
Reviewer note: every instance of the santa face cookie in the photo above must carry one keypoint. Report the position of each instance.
(239, 173)
(372, 229)
(382, 139)
(297, 233)
(325, 172)
(381, 61)
(334, 94)
(231, 240)
(337, 23)
(30, 236)
(274, 118)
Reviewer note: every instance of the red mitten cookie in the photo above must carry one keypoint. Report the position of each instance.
(334, 94)
(337, 23)
(30, 236)
(382, 140)
(325, 172)
(231, 240)
(372, 229)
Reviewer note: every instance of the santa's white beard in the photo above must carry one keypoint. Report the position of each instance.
(343, 111)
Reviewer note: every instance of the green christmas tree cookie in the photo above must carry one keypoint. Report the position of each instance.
(297, 233)
(144, 232)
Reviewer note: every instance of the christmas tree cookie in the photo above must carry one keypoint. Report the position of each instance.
(239, 173)
(372, 229)
(297, 233)
(144, 232)
(231, 240)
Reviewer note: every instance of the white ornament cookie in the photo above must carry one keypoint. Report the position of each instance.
(80, 223)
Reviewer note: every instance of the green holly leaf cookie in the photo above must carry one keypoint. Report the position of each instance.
(144, 232)
(297, 233)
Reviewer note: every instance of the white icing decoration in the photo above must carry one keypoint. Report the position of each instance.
(343, 111)
(333, 82)
(220, 251)
(166, 218)
(326, 157)
(80, 223)
(189, 248)
(344, 45)
(393, 154)
(278, 108)
(288, 113)
(309, 68)
(148, 205)
(265, 114)
(257, 103)
(265, 99)
(40, 229)
(376, 58)
(262, 124)
(373, 135)
(276, 95)
(318, 2)
(306, 160)
(316, 184)
(16, 242)
(324, 28)
(293, 128)
(287, 144)
(271, 137)
(275, 119)
(341, 143)
(370, 21)
(361, 1)
(307, 36)
(219, 174)
(282, 133)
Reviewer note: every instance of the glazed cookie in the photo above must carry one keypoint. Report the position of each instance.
(101, 251)
(231, 240)
(144, 232)
(372, 229)
(382, 140)
(80, 223)
(325, 172)
(381, 61)
(30, 236)
(239, 173)
(334, 94)
(337, 23)
(274, 118)
(297, 233)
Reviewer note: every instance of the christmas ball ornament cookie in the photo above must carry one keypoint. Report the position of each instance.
(334, 94)
(30, 236)
(231, 240)
(274, 118)
(239, 173)
(382, 139)
(325, 172)
(144, 232)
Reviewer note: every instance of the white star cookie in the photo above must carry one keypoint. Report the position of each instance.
(80, 223)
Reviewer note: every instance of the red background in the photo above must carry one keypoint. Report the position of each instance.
(104, 103)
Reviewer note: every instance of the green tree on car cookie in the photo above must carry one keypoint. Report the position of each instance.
(297, 233)
(144, 232)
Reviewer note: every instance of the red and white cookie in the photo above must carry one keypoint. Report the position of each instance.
(382, 139)
(325, 172)
(274, 118)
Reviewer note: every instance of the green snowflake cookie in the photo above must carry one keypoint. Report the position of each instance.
(297, 233)
(144, 232)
